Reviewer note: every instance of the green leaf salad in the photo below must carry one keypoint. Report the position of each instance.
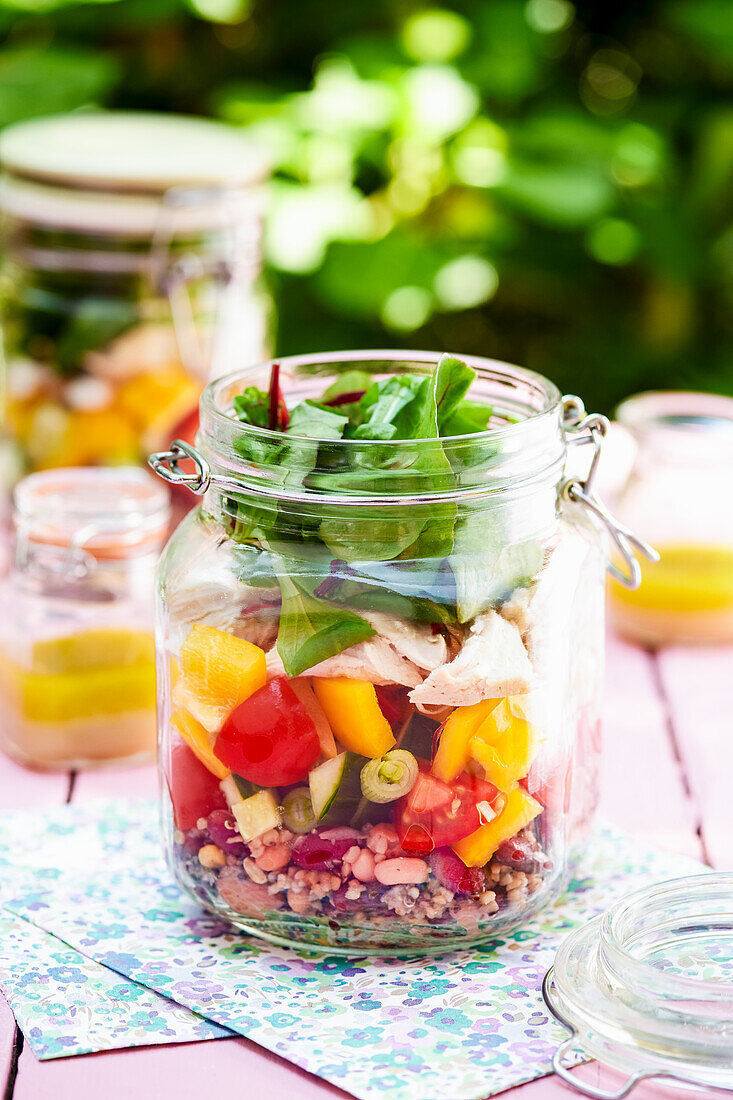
(421, 564)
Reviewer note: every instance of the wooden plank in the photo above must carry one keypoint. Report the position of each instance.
(137, 782)
(699, 686)
(226, 1067)
(21, 787)
(643, 787)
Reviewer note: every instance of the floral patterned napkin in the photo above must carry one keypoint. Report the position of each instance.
(462, 1026)
(67, 1004)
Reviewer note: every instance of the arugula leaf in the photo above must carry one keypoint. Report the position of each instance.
(312, 630)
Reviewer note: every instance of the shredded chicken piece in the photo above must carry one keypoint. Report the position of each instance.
(399, 653)
(516, 610)
(492, 663)
(374, 660)
(414, 641)
(212, 595)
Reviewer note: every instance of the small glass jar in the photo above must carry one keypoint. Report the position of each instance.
(647, 988)
(333, 602)
(131, 276)
(680, 496)
(77, 663)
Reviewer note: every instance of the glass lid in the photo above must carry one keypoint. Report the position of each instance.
(647, 988)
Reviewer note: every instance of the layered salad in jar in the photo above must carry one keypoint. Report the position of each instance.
(354, 755)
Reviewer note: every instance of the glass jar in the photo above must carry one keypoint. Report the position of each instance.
(646, 988)
(131, 276)
(77, 663)
(680, 496)
(379, 667)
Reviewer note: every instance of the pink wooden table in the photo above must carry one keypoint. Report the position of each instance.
(667, 780)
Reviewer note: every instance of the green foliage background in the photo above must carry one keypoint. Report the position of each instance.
(536, 181)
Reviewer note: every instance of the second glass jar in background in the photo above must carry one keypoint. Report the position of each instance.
(439, 597)
(131, 276)
(77, 669)
(679, 496)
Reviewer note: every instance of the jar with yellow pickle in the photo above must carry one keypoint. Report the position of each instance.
(679, 496)
(77, 668)
(131, 275)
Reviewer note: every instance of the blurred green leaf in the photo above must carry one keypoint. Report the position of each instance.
(40, 82)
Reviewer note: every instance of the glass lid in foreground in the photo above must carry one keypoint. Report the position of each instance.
(647, 988)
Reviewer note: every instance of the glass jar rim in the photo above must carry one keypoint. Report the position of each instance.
(527, 450)
(543, 387)
(111, 512)
(690, 411)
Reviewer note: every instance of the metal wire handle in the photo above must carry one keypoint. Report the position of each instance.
(582, 428)
(584, 1087)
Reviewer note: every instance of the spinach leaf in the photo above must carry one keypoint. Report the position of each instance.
(252, 406)
(312, 630)
(383, 402)
(486, 568)
(457, 380)
(467, 418)
(315, 421)
(351, 381)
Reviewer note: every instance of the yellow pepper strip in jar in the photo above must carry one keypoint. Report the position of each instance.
(505, 745)
(475, 850)
(460, 726)
(354, 714)
(221, 669)
(194, 734)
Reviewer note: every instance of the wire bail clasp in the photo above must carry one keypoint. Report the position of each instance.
(167, 464)
(582, 428)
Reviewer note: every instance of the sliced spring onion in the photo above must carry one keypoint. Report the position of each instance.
(390, 776)
(297, 811)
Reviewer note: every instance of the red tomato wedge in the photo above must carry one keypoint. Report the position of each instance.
(194, 791)
(270, 739)
(436, 814)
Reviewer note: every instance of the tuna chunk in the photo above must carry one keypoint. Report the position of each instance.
(400, 653)
(492, 663)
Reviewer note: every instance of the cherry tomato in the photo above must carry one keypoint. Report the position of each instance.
(270, 739)
(194, 791)
(436, 814)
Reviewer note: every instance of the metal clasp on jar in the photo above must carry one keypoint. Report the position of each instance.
(583, 428)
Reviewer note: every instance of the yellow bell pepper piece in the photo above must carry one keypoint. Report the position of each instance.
(478, 848)
(194, 734)
(453, 754)
(505, 745)
(354, 714)
(221, 669)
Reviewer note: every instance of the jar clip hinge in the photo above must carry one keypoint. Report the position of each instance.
(167, 464)
(583, 428)
(585, 1087)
